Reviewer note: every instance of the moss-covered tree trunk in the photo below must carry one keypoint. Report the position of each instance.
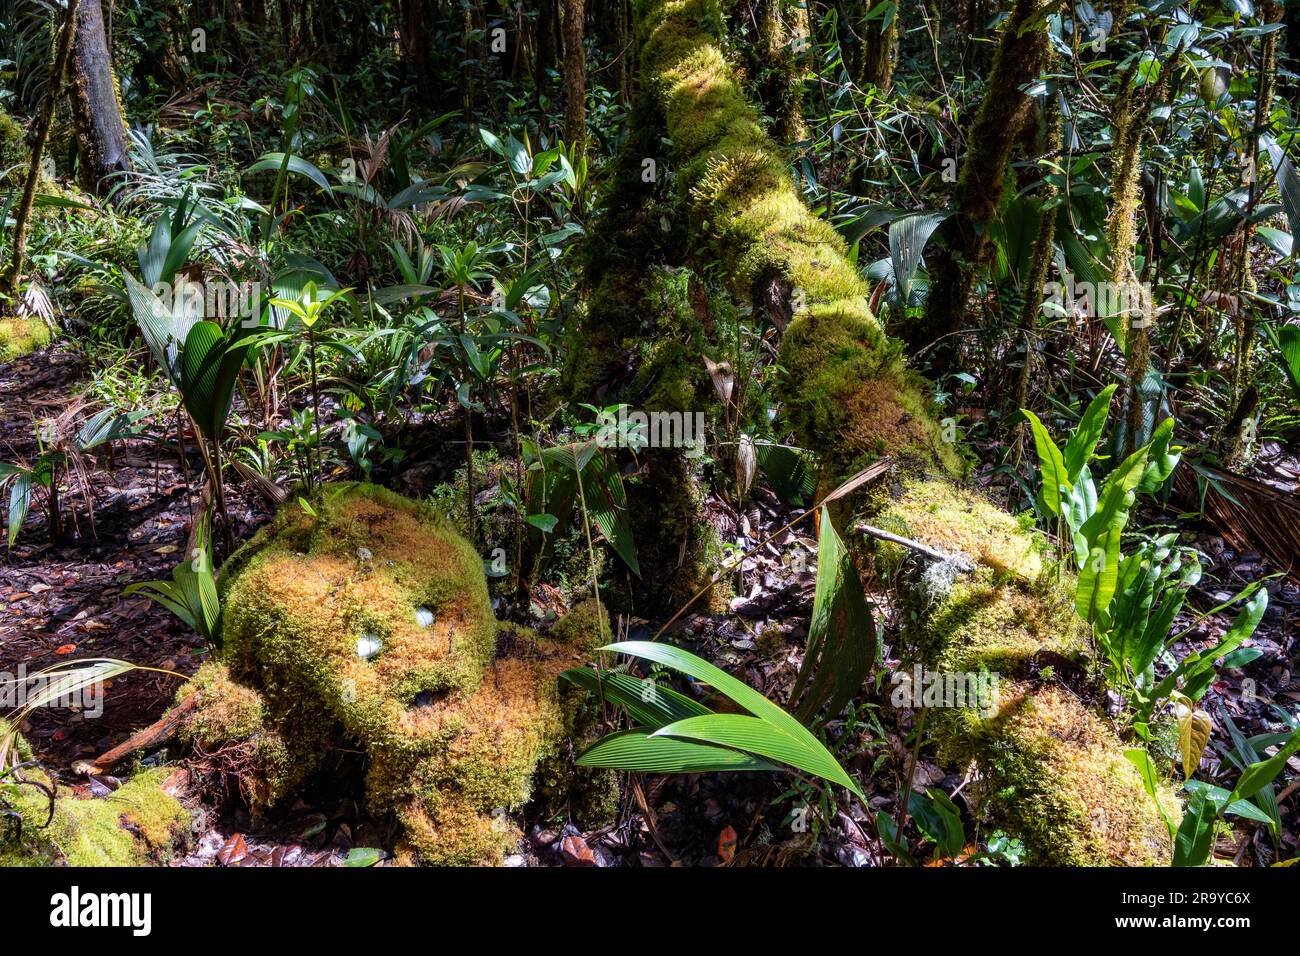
(96, 108)
(848, 395)
(869, 47)
(1021, 55)
(783, 43)
(58, 69)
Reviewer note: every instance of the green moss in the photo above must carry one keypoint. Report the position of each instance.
(453, 723)
(1056, 775)
(586, 626)
(13, 150)
(139, 824)
(19, 336)
(232, 739)
(949, 518)
(1053, 773)
(846, 392)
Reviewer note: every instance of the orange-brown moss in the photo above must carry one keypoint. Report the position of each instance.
(373, 618)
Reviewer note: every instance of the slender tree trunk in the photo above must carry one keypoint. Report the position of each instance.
(58, 69)
(1042, 257)
(96, 109)
(548, 27)
(575, 73)
(879, 52)
(1021, 55)
(621, 13)
(1134, 301)
(1247, 322)
(414, 43)
(466, 71)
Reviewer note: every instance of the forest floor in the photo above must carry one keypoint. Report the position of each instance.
(65, 601)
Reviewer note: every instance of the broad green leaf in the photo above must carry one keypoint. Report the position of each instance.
(940, 820)
(1051, 464)
(907, 239)
(1102, 533)
(887, 827)
(1195, 835)
(1161, 460)
(1083, 440)
(841, 644)
(607, 504)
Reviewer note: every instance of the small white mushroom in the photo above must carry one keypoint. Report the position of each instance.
(423, 617)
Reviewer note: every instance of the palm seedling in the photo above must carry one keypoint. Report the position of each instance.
(308, 309)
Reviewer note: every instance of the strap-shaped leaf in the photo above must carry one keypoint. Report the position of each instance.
(1161, 459)
(640, 751)
(296, 164)
(756, 736)
(841, 633)
(693, 666)
(1260, 774)
(1102, 533)
(748, 698)
(648, 703)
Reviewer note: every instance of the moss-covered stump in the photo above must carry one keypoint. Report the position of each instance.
(21, 336)
(371, 623)
(1054, 773)
(139, 824)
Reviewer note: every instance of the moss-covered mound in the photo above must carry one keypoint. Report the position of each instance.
(19, 336)
(139, 824)
(370, 623)
(1054, 773)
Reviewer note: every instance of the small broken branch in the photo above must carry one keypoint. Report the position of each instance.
(156, 733)
(961, 562)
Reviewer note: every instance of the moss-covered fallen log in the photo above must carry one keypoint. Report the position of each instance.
(1055, 772)
(141, 823)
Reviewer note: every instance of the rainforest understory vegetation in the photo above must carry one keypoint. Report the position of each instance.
(649, 433)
